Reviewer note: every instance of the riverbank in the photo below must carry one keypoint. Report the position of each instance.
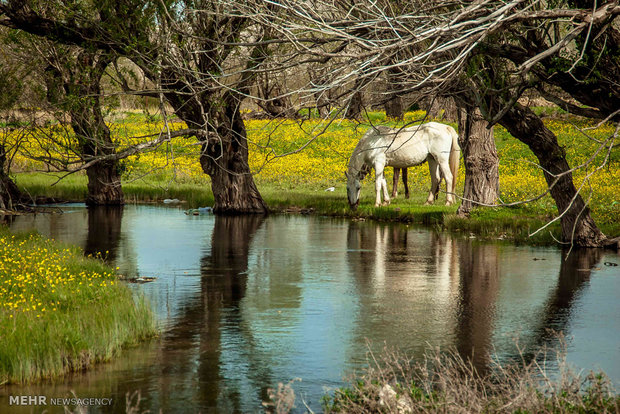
(515, 224)
(61, 311)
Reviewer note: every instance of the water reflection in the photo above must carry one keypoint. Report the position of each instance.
(406, 280)
(476, 309)
(104, 231)
(208, 326)
(223, 285)
(247, 302)
(575, 269)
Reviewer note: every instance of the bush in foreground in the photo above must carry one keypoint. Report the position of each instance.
(61, 311)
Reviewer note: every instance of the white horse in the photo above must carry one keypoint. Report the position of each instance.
(401, 148)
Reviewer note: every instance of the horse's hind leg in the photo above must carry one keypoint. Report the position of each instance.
(404, 171)
(433, 168)
(395, 181)
(386, 196)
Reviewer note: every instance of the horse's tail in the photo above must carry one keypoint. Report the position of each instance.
(455, 156)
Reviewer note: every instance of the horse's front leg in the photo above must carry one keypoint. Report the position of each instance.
(380, 184)
(395, 181)
(386, 196)
(405, 184)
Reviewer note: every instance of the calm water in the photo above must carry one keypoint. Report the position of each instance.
(247, 302)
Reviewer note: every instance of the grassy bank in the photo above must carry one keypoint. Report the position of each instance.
(513, 224)
(300, 179)
(61, 311)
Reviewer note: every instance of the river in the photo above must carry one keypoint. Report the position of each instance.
(247, 302)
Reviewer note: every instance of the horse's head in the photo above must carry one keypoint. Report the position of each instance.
(354, 188)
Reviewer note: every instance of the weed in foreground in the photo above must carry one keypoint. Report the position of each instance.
(447, 382)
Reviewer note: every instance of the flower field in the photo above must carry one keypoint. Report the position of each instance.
(59, 310)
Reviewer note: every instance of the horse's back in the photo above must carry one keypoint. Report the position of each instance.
(432, 129)
(413, 145)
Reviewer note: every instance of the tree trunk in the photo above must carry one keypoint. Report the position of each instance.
(481, 160)
(442, 108)
(224, 157)
(394, 108)
(104, 182)
(322, 98)
(224, 145)
(9, 193)
(578, 227)
(273, 101)
(355, 107)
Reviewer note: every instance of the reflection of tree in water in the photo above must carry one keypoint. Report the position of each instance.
(6, 219)
(440, 274)
(478, 291)
(193, 346)
(104, 231)
(575, 270)
(404, 279)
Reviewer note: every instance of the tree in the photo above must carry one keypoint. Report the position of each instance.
(73, 80)
(355, 104)
(481, 161)
(394, 107)
(10, 195)
(271, 98)
(11, 87)
(441, 107)
(534, 58)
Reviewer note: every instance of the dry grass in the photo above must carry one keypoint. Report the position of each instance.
(281, 399)
(445, 382)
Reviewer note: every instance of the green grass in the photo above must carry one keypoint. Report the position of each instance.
(512, 224)
(279, 197)
(70, 188)
(155, 187)
(61, 311)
